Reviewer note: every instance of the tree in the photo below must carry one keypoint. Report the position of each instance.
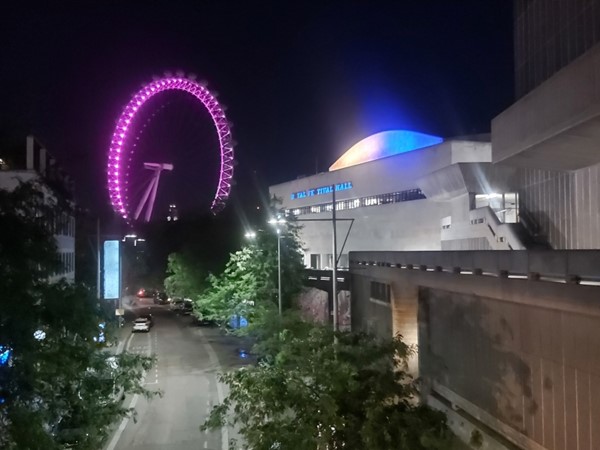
(317, 392)
(249, 284)
(185, 276)
(59, 384)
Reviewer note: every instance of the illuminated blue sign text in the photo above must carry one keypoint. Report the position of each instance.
(322, 190)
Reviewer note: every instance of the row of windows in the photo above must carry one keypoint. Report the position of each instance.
(372, 200)
(381, 292)
(325, 262)
(67, 261)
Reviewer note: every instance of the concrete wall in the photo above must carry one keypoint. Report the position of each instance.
(557, 125)
(564, 204)
(517, 358)
(585, 209)
(548, 35)
(413, 225)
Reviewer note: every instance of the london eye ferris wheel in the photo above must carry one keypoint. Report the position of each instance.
(172, 131)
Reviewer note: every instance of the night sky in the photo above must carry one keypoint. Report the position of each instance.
(302, 81)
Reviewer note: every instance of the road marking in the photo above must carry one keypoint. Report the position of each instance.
(115, 439)
(205, 444)
(214, 359)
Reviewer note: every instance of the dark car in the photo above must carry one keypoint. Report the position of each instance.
(182, 306)
(161, 298)
(176, 304)
(188, 307)
(145, 293)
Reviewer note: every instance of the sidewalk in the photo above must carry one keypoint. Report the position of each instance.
(122, 334)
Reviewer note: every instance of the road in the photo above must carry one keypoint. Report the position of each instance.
(188, 360)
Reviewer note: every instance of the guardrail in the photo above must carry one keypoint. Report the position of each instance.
(566, 266)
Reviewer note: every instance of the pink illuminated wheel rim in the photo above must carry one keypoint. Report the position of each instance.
(116, 172)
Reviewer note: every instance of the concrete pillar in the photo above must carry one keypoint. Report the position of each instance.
(43, 161)
(405, 304)
(30, 158)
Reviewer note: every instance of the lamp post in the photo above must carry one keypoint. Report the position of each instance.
(279, 271)
(277, 222)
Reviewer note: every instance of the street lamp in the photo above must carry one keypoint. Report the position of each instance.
(277, 222)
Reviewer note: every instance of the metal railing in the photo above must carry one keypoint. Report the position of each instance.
(566, 266)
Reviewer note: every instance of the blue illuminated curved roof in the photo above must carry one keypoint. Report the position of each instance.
(384, 144)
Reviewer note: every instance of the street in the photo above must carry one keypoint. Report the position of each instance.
(188, 360)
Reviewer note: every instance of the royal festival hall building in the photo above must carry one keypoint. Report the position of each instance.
(402, 190)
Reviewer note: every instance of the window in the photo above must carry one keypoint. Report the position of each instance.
(372, 200)
(446, 222)
(505, 205)
(381, 292)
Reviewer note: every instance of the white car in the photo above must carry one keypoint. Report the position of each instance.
(141, 324)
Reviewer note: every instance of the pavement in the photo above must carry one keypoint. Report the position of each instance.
(188, 361)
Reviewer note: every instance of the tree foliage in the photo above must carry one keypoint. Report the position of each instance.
(249, 284)
(317, 392)
(185, 276)
(60, 385)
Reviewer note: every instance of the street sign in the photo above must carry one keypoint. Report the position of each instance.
(119, 312)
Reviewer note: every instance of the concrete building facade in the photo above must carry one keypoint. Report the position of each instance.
(552, 131)
(507, 341)
(39, 165)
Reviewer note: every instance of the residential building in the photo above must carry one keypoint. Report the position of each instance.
(36, 163)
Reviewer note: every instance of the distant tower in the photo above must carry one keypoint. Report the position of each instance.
(172, 217)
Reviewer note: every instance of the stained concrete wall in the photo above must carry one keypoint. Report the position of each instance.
(519, 357)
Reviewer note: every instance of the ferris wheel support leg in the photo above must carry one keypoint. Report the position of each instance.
(142, 203)
(152, 196)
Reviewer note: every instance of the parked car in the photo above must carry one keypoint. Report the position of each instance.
(145, 293)
(142, 323)
(176, 304)
(188, 307)
(161, 298)
(182, 306)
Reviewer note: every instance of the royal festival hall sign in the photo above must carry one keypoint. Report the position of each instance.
(322, 190)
